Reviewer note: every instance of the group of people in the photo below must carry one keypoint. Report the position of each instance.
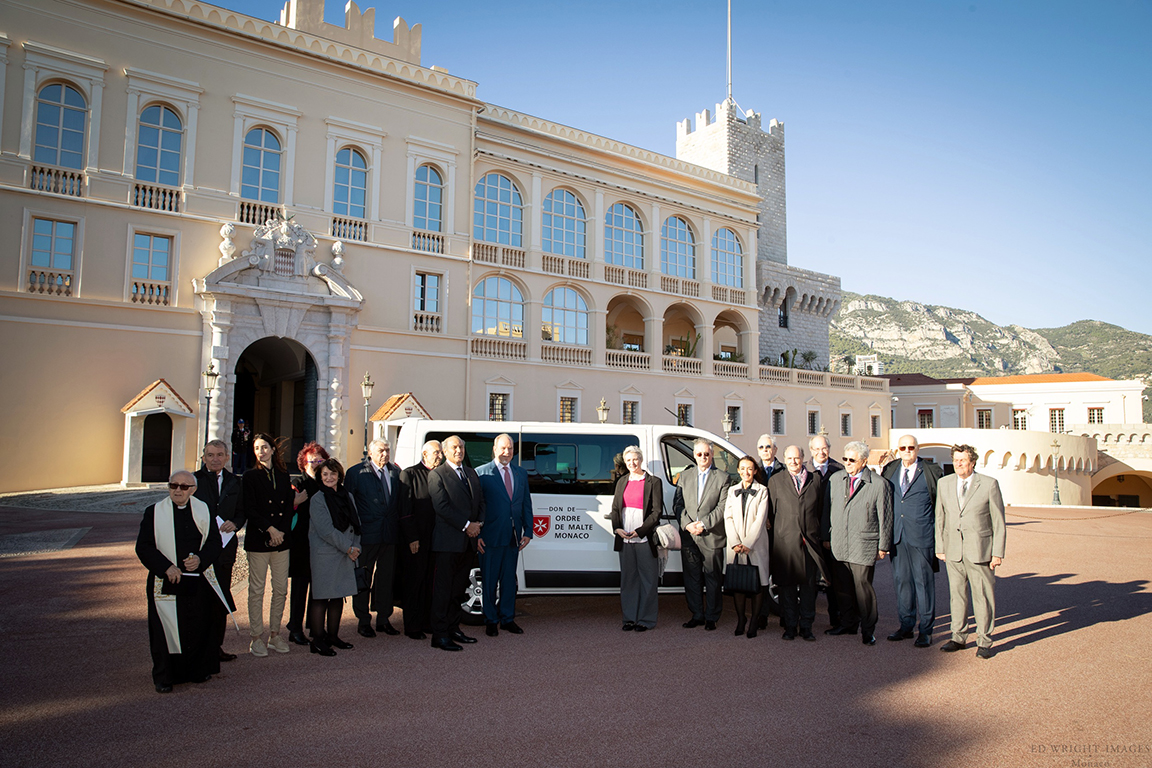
(333, 535)
(797, 522)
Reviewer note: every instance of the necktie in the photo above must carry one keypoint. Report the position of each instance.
(508, 481)
(219, 483)
(463, 479)
(700, 481)
(796, 479)
(906, 481)
(767, 471)
(963, 492)
(851, 485)
(384, 483)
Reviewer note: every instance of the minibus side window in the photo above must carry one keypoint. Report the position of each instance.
(572, 463)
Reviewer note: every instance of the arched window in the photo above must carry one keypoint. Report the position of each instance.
(260, 175)
(61, 114)
(498, 214)
(727, 259)
(497, 308)
(623, 237)
(429, 199)
(159, 142)
(565, 317)
(351, 191)
(564, 225)
(677, 248)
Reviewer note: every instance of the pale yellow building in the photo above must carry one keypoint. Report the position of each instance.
(294, 204)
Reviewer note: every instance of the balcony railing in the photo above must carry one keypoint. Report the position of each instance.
(431, 242)
(344, 228)
(728, 295)
(560, 265)
(840, 381)
(427, 322)
(688, 366)
(50, 282)
(628, 360)
(623, 276)
(679, 285)
(811, 378)
(565, 355)
(875, 385)
(151, 293)
(156, 197)
(506, 349)
(60, 181)
(776, 375)
(256, 213)
(486, 253)
(729, 370)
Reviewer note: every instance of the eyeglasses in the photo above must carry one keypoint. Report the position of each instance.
(908, 448)
(763, 447)
(847, 460)
(180, 486)
(316, 460)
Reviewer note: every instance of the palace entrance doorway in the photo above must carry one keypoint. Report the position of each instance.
(276, 393)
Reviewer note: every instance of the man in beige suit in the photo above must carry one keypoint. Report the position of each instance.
(701, 491)
(970, 539)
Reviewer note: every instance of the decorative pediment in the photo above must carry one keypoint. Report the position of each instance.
(733, 395)
(778, 400)
(630, 390)
(812, 401)
(401, 406)
(844, 404)
(685, 392)
(569, 384)
(500, 381)
(158, 397)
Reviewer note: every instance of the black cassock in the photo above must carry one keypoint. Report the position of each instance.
(195, 598)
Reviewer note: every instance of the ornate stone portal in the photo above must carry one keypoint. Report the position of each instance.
(277, 288)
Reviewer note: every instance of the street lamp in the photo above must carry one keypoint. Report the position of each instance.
(366, 390)
(602, 411)
(727, 424)
(1055, 472)
(210, 377)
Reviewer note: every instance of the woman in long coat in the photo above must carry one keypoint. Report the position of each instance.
(636, 511)
(334, 545)
(746, 529)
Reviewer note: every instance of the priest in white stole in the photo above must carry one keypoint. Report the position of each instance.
(178, 542)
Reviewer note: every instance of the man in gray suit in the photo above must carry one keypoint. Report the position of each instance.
(970, 536)
(699, 505)
(859, 529)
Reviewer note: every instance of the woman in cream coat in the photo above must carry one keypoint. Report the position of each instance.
(746, 526)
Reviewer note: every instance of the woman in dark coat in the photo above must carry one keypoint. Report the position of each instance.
(636, 511)
(334, 533)
(268, 498)
(307, 485)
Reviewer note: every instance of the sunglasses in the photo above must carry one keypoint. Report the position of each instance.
(908, 448)
(180, 486)
(847, 460)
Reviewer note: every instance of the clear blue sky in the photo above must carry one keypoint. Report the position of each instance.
(992, 156)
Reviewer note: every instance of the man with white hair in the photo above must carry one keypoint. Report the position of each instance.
(859, 532)
(375, 486)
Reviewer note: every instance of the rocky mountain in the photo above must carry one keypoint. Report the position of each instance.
(946, 342)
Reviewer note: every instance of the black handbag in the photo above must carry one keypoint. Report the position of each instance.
(362, 582)
(741, 578)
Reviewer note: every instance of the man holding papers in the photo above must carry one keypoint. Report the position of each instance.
(220, 490)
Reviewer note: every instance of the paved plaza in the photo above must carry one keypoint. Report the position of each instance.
(1070, 685)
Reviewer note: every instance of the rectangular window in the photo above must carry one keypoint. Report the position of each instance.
(984, 418)
(567, 410)
(498, 406)
(150, 281)
(631, 412)
(683, 415)
(924, 418)
(782, 316)
(733, 412)
(1095, 415)
(1055, 419)
(51, 257)
(813, 422)
(875, 419)
(427, 292)
(845, 425)
(1019, 418)
(777, 421)
(633, 342)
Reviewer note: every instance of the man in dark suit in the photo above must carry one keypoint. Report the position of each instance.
(375, 485)
(914, 564)
(768, 463)
(858, 532)
(826, 467)
(970, 535)
(507, 530)
(795, 509)
(459, 503)
(417, 519)
(701, 492)
(221, 491)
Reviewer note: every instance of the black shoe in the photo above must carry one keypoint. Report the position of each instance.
(900, 634)
(296, 637)
(417, 635)
(709, 626)
(639, 628)
(840, 631)
(203, 679)
(628, 626)
(740, 627)
(387, 628)
(789, 634)
(513, 627)
(460, 637)
(762, 622)
(365, 630)
(160, 688)
(923, 640)
(225, 656)
(692, 623)
(336, 642)
(752, 631)
(984, 653)
(491, 630)
(868, 638)
(807, 635)
(952, 646)
(446, 644)
(321, 648)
